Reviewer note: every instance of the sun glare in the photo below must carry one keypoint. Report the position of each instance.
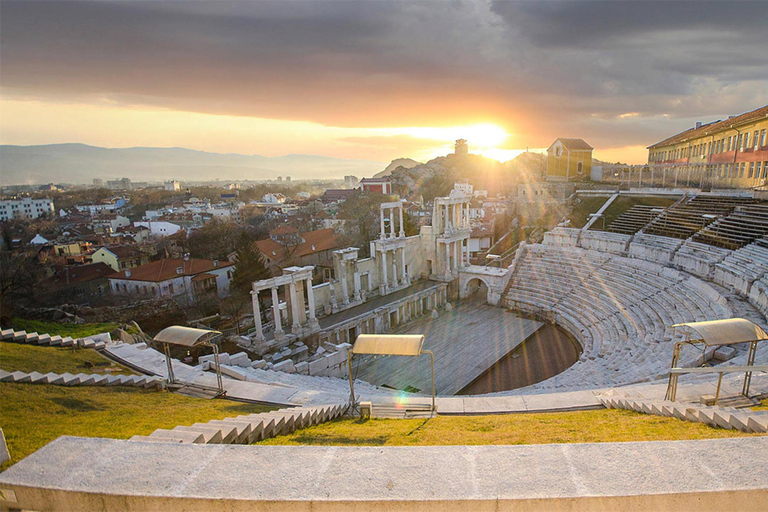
(482, 136)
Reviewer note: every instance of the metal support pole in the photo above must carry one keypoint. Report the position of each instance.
(432, 360)
(171, 378)
(218, 368)
(750, 362)
(351, 381)
(719, 382)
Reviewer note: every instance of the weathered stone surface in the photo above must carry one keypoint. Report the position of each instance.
(86, 473)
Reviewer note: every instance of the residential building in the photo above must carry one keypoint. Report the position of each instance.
(159, 228)
(187, 277)
(172, 186)
(569, 160)
(119, 257)
(83, 283)
(286, 246)
(273, 198)
(724, 153)
(108, 223)
(25, 208)
(376, 185)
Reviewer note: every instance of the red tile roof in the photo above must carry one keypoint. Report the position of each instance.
(314, 241)
(714, 127)
(165, 269)
(69, 275)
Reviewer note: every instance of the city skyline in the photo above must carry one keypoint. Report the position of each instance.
(376, 80)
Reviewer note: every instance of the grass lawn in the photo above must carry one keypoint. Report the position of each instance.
(54, 328)
(607, 425)
(580, 213)
(33, 415)
(28, 358)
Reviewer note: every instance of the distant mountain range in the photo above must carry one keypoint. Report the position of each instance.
(80, 163)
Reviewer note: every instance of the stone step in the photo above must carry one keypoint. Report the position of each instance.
(5, 376)
(228, 432)
(211, 435)
(32, 337)
(43, 339)
(53, 341)
(6, 334)
(67, 342)
(758, 424)
(38, 378)
(19, 335)
(178, 436)
(243, 429)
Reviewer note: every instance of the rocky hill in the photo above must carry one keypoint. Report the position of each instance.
(406, 163)
(436, 177)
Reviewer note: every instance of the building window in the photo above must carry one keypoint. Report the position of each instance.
(746, 141)
(738, 142)
(762, 138)
(741, 170)
(755, 140)
(751, 169)
(757, 169)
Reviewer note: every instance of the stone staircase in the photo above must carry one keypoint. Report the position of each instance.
(744, 420)
(83, 379)
(247, 428)
(48, 340)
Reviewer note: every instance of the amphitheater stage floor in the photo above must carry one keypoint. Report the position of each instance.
(465, 341)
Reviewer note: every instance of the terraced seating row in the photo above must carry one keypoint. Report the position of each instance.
(248, 428)
(620, 309)
(742, 267)
(686, 217)
(698, 258)
(615, 243)
(738, 229)
(744, 420)
(633, 220)
(83, 379)
(47, 339)
(658, 249)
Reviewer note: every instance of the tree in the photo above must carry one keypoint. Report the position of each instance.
(214, 240)
(249, 266)
(18, 274)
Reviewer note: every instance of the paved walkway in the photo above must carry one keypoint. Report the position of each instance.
(74, 473)
(341, 317)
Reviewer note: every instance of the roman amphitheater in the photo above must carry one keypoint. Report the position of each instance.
(610, 299)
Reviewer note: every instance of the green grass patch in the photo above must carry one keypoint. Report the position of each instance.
(607, 425)
(34, 358)
(54, 328)
(580, 212)
(31, 415)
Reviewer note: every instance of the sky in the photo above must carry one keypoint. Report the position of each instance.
(376, 80)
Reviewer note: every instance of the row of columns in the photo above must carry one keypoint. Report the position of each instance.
(456, 216)
(299, 312)
(379, 322)
(456, 255)
(399, 275)
(391, 211)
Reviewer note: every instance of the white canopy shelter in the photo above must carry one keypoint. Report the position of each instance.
(189, 337)
(389, 345)
(716, 333)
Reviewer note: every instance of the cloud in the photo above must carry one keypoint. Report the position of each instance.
(540, 69)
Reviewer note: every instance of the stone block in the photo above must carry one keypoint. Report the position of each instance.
(259, 364)
(240, 359)
(302, 368)
(285, 366)
(178, 436)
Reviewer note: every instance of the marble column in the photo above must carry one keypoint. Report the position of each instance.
(402, 231)
(406, 277)
(392, 222)
(257, 315)
(381, 218)
(356, 285)
(395, 280)
(276, 311)
(383, 277)
(447, 258)
(311, 302)
(343, 281)
(295, 325)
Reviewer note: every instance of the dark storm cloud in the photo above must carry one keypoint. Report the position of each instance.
(553, 68)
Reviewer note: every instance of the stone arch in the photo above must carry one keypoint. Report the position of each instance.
(474, 284)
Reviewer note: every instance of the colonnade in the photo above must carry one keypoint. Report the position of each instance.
(295, 280)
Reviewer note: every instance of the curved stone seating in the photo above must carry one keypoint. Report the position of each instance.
(698, 258)
(742, 267)
(620, 309)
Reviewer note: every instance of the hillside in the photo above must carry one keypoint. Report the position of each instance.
(437, 176)
(406, 163)
(80, 163)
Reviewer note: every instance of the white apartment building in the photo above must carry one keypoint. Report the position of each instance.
(26, 208)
